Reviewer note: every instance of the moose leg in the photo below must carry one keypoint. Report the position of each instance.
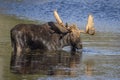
(13, 55)
(18, 50)
(16, 57)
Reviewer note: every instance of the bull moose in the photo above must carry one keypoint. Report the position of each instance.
(48, 36)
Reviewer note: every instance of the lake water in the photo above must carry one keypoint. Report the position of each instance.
(100, 58)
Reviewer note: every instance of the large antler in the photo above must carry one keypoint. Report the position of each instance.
(60, 22)
(90, 26)
(61, 27)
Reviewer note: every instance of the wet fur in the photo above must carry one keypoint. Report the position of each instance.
(25, 37)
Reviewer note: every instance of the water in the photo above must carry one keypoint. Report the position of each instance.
(100, 58)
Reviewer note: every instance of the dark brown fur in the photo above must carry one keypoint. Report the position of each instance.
(45, 37)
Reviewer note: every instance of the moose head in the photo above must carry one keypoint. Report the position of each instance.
(74, 31)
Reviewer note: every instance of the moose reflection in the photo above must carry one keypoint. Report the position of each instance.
(47, 63)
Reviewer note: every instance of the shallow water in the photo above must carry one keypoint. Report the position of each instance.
(100, 58)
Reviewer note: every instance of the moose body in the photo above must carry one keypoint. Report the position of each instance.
(45, 37)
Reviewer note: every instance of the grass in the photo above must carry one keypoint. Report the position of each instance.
(7, 22)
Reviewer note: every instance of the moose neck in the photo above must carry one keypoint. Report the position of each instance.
(65, 40)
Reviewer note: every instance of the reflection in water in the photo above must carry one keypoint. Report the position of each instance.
(89, 67)
(48, 63)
